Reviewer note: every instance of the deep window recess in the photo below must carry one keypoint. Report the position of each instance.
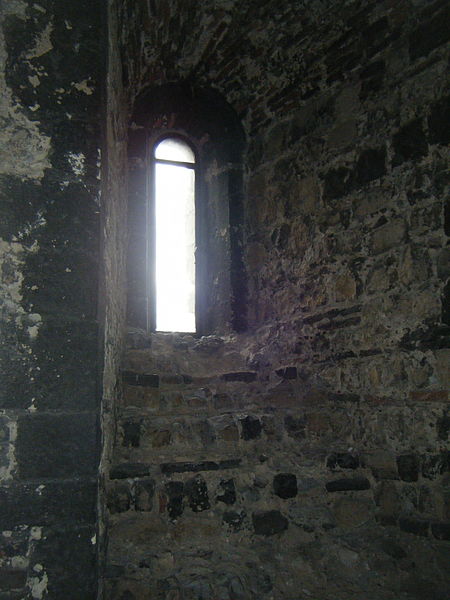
(178, 128)
(173, 211)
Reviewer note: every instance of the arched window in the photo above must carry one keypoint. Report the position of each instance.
(179, 133)
(172, 247)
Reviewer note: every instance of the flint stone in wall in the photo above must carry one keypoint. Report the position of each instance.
(175, 494)
(343, 485)
(234, 519)
(197, 493)
(269, 522)
(251, 428)
(229, 492)
(408, 467)
(285, 485)
(342, 460)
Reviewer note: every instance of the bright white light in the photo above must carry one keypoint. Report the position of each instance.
(175, 245)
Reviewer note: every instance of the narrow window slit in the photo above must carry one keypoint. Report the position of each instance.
(174, 180)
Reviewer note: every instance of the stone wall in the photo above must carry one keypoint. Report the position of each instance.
(50, 57)
(308, 457)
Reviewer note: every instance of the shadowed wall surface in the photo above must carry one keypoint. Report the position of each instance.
(300, 449)
(306, 457)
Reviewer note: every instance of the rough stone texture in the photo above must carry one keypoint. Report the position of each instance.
(50, 61)
(306, 457)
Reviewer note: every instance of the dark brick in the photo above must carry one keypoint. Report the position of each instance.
(129, 470)
(409, 143)
(430, 336)
(287, 372)
(344, 397)
(197, 493)
(131, 434)
(140, 379)
(408, 467)
(119, 497)
(229, 492)
(371, 165)
(342, 460)
(251, 428)
(269, 522)
(244, 376)
(234, 519)
(343, 485)
(52, 445)
(285, 485)
(415, 526)
(175, 494)
(439, 122)
(144, 490)
(441, 531)
(186, 467)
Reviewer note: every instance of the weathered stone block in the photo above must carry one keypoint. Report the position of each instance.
(234, 519)
(415, 526)
(58, 445)
(285, 485)
(287, 372)
(58, 551)
(144, 490)
(131, 434)
(430, 34)
(175, 494)
(343, 485)
(388, 236)
(439, 122)
(229, 492)
(352, 512)
(129, 470)
(435, 465)
(409, 143)
(118, 497)
(408, 467)
(370, 165)
(295, 426)
(382, 464)
(197, 493)
(337, 183)
(251, 428)
(48, 504)
(441, 531)
(342, 460)
(141, 379)
(12, 579)
(244, 376)
(207, 465)
(269, 522)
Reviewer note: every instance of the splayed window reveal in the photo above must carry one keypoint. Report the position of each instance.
(175, 236)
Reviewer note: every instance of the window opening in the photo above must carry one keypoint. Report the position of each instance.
(174, 222)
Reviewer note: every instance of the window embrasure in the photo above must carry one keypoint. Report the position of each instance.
(194, 132)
